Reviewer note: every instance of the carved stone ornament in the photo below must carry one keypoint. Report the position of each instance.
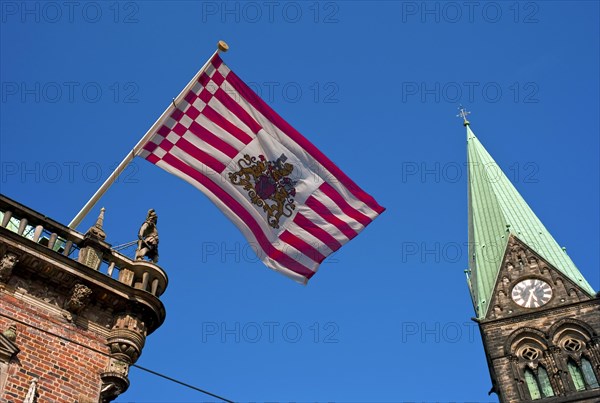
(90, 257)
(32, 394)
(91, 254)
(517, 254)
(148, 238)
(126, 341)
(113, 385)
(7, 264)
(127, 338)
(78, 299)
(96, 230)
(40, 291)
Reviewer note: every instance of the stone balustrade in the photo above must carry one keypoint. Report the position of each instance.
(42, 230)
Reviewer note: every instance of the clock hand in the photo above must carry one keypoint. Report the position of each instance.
(535, 299)
(530, 297)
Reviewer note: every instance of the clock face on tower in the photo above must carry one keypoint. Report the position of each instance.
(531, 293)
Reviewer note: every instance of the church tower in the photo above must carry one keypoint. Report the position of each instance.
(539, 318)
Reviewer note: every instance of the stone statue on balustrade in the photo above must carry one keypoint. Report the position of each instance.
(148, 238)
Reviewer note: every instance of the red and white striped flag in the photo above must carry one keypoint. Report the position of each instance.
(286, 197)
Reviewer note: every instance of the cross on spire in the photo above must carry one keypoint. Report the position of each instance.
(463, 112)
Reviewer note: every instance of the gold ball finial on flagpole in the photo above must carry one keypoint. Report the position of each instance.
(223, 46)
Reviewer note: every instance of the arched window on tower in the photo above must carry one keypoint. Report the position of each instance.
(529, 348)
(538, 383)
(532, 385)
(544, 382)
(581, 370)
(576, 375)
(588, 374)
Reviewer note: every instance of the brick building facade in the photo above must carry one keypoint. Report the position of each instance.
(74, 314)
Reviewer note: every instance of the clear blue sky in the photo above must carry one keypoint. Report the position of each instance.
(376, 86)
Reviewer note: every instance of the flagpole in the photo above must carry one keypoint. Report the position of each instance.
(221, 47)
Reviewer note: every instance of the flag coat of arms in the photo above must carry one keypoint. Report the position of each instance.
(292, 204)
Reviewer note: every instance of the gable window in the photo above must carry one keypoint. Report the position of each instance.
(544, 382)
(529, 349)
(588, 374)
(538, 383)
(532, 385)
(576, 375)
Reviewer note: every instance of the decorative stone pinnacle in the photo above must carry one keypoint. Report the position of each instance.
(96, 230)
(100, 220)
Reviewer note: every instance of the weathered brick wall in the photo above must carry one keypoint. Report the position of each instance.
(66, 372)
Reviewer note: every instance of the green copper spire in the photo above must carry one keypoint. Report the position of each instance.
(497, 210)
